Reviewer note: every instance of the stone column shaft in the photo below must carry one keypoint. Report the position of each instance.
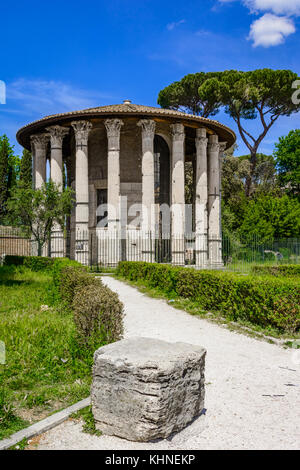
(148, 196)
(201, 215)
(39, 149)
(113, 129)
(57, 133)
(82, 130)
(178, 194)
(214, 227)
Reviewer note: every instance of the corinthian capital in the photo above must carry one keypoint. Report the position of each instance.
(148, 127)
(57, 133)
(177, 131)
(113, 127)
(82, 130)
(39, 141)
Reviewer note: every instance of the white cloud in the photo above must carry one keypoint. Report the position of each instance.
(279, 7)
(173, 25)
(271, 30)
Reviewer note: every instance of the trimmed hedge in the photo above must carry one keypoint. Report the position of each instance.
(35, 263)
(280, 270)
(98, 312)
(264, 301)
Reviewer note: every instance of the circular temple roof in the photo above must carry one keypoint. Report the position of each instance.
(122, 110)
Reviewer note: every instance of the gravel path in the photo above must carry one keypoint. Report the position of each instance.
(243, 377)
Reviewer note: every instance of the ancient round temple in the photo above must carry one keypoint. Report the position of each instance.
(127, 165)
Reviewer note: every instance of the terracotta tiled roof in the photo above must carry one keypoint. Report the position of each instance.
(126, 108)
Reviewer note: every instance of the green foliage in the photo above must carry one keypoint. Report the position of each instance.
(74, 277)
(271, 217)
(265, 301)
(98, 314)
(9, 421)
(35, 263)
(287, 156)
(263, 94)
(26, 169)
(9, 168)
(184, 95)
(44, 368)
(87, 416)
(281, 270)
(38, 210)
(49, 358)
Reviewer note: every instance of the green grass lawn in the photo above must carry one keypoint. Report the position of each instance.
(44, 369)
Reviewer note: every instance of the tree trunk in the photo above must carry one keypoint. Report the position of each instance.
(249, 179)
(40, 248)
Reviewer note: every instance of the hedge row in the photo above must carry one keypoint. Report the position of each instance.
(264, 301)
(98, 312)
(35, 263)
(280, 270)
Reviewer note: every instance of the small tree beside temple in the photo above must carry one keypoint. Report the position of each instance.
(36, 211)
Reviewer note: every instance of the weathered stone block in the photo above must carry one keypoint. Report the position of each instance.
(145, 388)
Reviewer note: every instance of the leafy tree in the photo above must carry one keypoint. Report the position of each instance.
(36, 211)
(9, 172)
(184, 95)
(272, 217)
(26, 168)
(264, 94)
(287, 157)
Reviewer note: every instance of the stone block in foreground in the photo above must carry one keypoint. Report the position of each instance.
(145, 388)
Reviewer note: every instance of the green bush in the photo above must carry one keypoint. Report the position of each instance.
(75, 277)
(59, 265)
(98, 313)
(265, 301)
(35, 263)
(279, 270)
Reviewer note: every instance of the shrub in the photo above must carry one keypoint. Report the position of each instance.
(35, 263)
(265, 301)
(74, 277)
(98, 312)
(280, 270)
(58, 266)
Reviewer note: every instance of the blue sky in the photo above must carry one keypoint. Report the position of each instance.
(67, 55)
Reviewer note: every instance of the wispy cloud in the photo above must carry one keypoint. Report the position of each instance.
(175, 24)
(47, 96)
(28, 100)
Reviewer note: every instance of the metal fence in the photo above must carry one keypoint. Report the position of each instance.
(99, 249)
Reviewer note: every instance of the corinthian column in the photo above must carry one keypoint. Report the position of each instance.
(39, 150)
(82, 130)
(178, 194)
(201, 221)
(113, 129)
(148, 197)
(57, 133)
(223, 146)
(214, 226)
